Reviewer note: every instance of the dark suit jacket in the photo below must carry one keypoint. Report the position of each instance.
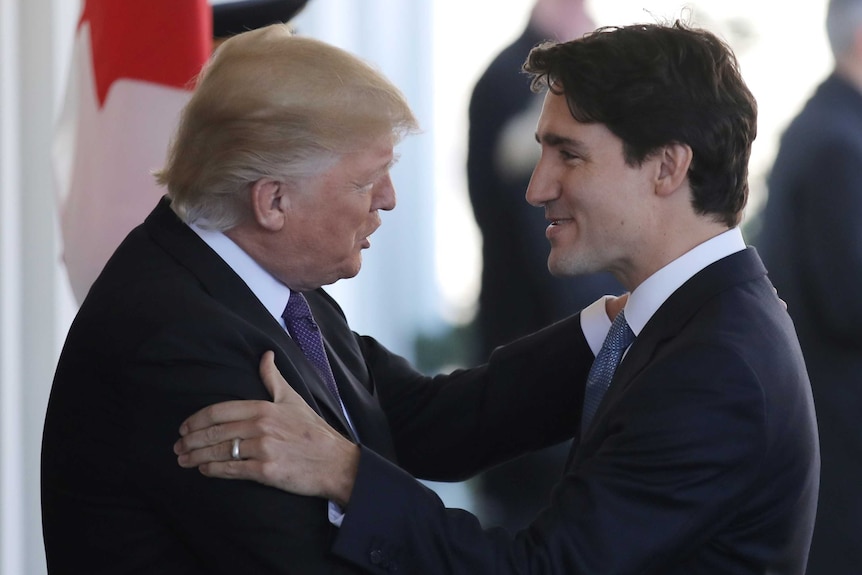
(169, 328)
(702, 458)
(811, 242)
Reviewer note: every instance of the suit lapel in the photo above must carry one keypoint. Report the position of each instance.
(372, 427)
(351, 373)
(223, 284)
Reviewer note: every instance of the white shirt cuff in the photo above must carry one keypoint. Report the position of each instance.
(336, 514)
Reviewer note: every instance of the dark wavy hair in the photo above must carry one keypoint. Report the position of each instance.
(654, 85)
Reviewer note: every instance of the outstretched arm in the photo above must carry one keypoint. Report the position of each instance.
(392, 519)
(283, 443)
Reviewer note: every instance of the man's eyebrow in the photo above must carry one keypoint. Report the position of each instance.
(393, 161)
(384, 168)
(556, 140)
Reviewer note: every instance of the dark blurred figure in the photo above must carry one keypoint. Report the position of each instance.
(811, 242)
(518, 294)
(230, 18)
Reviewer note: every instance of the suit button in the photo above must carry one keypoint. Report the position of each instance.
(376, 556)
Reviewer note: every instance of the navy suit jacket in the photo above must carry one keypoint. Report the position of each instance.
(169, 328)
(702, 458)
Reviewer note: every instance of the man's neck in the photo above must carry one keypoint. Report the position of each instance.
(675, 245)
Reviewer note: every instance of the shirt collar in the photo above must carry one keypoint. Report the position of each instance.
(645, 300)
(272, 293)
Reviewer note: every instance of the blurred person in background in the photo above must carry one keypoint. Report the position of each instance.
(811, 241)
(518, 294)
(238, 16)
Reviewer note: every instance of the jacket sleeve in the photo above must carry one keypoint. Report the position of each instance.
(449, 427)
(683, 453)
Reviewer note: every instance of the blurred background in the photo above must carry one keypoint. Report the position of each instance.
(425, 265)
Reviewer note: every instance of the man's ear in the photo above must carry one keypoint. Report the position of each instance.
(269, 203)
(675, 160)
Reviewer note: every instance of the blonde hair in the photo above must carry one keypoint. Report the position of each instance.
(271, 104)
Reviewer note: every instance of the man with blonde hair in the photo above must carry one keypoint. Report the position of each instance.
(275, 179)
(279, 168)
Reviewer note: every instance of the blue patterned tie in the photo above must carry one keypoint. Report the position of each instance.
(618, 339)
(304, 331)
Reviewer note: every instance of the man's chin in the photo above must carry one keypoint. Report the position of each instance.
(344, 273)
(566, 267)
(352, 268)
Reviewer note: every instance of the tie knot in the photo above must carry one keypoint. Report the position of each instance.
(296, 308)
(620, 335)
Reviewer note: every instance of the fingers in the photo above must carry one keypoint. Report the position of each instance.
(195, 456)
(215, 427)
(216, 461)
(207, 436)
(231, 469)
(220, 413)
(217, 434)
(253, 470)
(278, 388)
(247, 409)
(188, 456)
(239, 410)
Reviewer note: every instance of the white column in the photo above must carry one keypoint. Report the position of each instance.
(11, 451)
(34, 309)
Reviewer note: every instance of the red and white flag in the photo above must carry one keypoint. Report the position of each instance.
(133, 66)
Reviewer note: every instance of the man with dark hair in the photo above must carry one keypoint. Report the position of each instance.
(697, 444)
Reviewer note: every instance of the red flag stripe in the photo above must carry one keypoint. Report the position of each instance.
(159, 41)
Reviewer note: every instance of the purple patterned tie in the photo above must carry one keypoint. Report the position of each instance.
(618, 339)
(304, 331)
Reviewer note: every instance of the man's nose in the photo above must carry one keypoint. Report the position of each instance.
(385, 198)
(540, 190)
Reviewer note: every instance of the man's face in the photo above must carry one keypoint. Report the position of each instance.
(599, 206)
(331, 216)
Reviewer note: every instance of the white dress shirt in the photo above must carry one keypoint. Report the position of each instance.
(272, 293)
(645, 300)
